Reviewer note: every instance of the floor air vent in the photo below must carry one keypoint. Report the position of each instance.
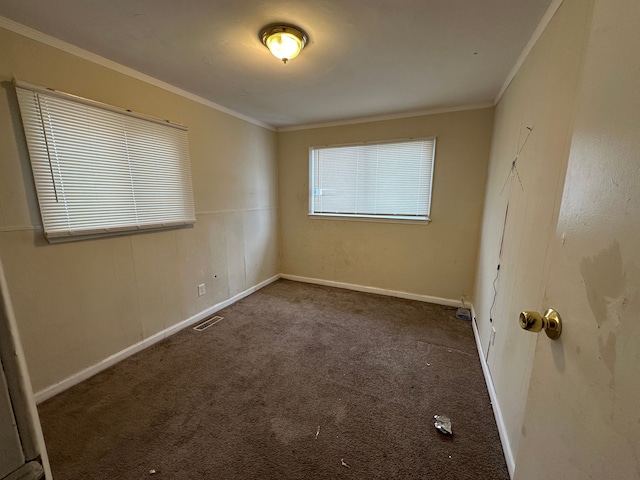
(207, 323)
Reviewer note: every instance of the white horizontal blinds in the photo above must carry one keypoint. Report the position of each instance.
(100, 171)
(386, 180)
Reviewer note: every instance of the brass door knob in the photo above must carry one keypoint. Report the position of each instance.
(550, 322)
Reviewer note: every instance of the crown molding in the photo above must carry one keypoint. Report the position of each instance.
(38, 36)
(97, 59)
(380, 118)
(542, 26)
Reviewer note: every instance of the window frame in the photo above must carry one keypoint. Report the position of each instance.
(417, 220)
(156, 155)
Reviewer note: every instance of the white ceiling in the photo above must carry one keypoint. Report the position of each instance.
(364, 57)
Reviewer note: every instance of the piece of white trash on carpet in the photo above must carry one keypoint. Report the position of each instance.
(152, 471)
(443, 424)
(343, 463)
(318, 432)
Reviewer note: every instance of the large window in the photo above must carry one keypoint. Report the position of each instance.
(390, 180)
(99, 170)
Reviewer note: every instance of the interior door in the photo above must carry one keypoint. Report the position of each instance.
(582, 418)
(11, 457)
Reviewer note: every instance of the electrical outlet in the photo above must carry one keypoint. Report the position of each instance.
(201, 290)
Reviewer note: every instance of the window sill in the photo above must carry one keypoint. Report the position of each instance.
(374, 219)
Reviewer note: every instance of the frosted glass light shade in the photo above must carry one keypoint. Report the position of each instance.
(284, 42)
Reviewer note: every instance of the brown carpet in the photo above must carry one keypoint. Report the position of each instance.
(244, 398)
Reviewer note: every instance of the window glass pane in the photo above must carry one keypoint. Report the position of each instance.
(388, 180)
(99, 171)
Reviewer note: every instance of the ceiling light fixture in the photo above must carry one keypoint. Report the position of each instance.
(284, 41)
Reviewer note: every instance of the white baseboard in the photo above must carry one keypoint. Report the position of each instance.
(495, 404)
(380, 291)
(90, 371)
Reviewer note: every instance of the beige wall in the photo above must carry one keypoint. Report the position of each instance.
(77, 303)
(437, 259)
(541, 97)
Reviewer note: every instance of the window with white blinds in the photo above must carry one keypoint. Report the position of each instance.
(99, 170)
(389, 180)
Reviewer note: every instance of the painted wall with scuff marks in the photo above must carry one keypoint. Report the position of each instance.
(78, 303)
(532, 128)
(437, 259)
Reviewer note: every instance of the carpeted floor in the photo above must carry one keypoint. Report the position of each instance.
(244, 399)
